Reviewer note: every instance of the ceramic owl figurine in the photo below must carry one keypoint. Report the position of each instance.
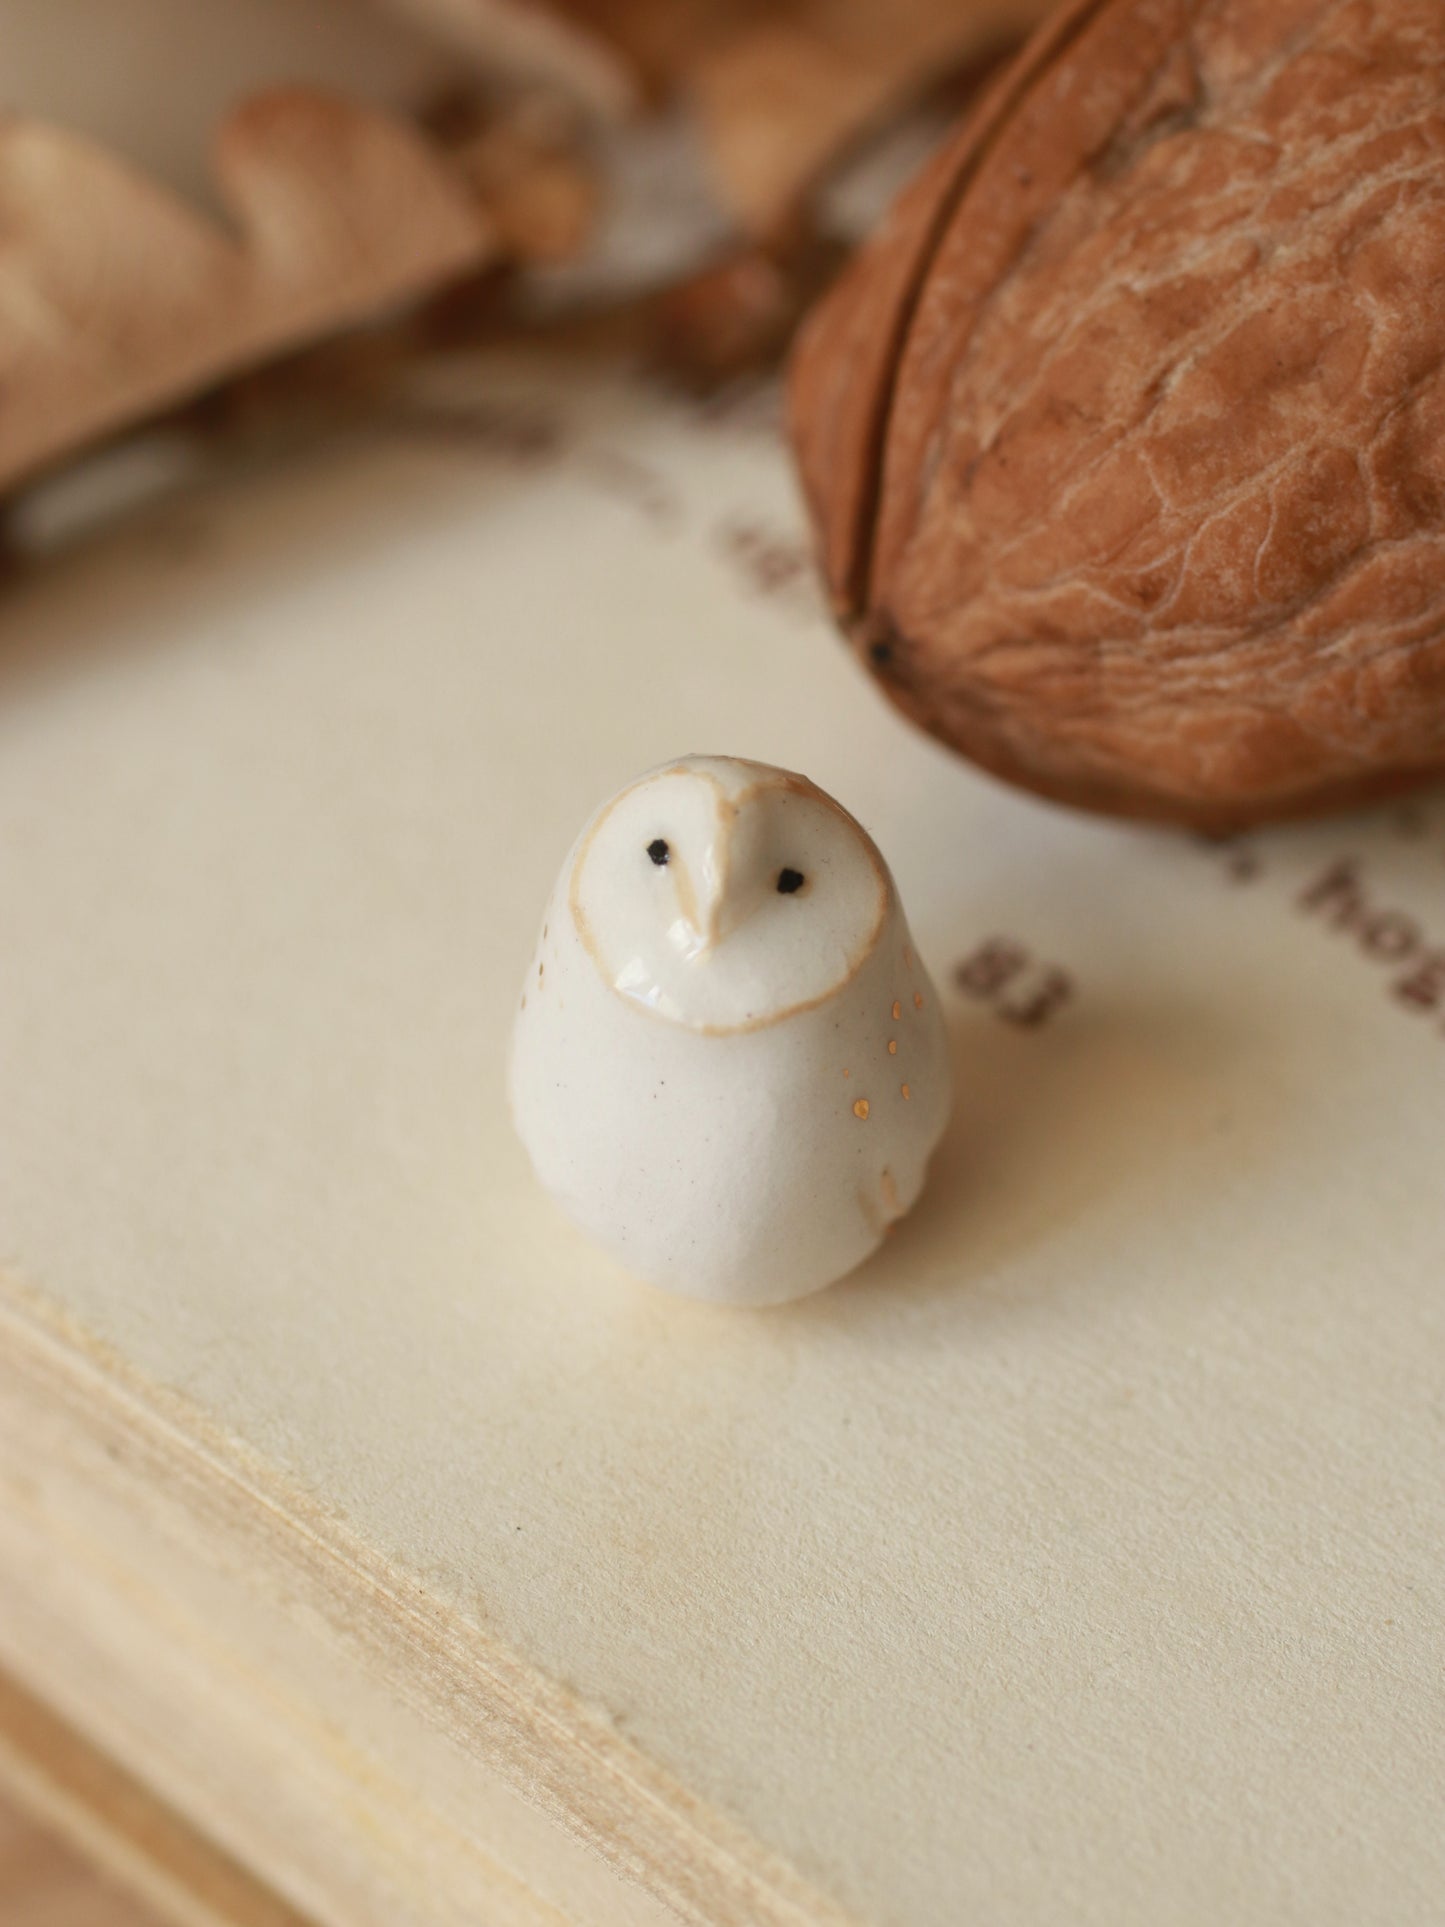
(729, 1066)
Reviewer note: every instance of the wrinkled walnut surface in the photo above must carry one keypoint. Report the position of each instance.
(1125, 439)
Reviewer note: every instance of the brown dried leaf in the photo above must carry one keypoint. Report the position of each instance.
(558, 47)
(783, 87)
(664, 40)
(735, 317)
(117, 299)
(785, 96)
(528, 171)
(651, 45)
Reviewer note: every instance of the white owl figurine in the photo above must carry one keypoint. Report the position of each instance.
(729, 1066)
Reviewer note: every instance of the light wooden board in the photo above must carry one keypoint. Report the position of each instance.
(1078, 1560)
(155, 1867)
(42, 1884)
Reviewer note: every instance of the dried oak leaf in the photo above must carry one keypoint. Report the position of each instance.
(539, 45)
(117, 299)
(782, 97)
(538, 194)
(782, 88)
(1125, 439)
(735, 316)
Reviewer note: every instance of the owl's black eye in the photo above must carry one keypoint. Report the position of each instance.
(788, 881)
(658, 850)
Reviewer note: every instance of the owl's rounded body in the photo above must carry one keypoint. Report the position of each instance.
(750, 1136)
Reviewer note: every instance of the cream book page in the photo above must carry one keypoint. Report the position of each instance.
(1078, 1559)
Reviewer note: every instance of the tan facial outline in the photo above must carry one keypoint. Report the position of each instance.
(728, 810)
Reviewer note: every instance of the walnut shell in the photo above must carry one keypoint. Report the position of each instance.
(1125, 437)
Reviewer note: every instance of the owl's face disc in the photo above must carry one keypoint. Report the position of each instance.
(724, 895)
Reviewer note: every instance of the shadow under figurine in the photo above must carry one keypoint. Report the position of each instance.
(729, 1066)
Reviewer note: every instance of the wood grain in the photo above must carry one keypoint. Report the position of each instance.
(84, 1844)
(44, 1884)
(324, 1722)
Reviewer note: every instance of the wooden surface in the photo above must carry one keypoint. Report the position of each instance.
(1074, 1562)
(44, 1883)
(91, 1844)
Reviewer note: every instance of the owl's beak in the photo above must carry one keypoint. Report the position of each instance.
(699, 890)
(724, 898)
(712, 894)
(703, 897)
